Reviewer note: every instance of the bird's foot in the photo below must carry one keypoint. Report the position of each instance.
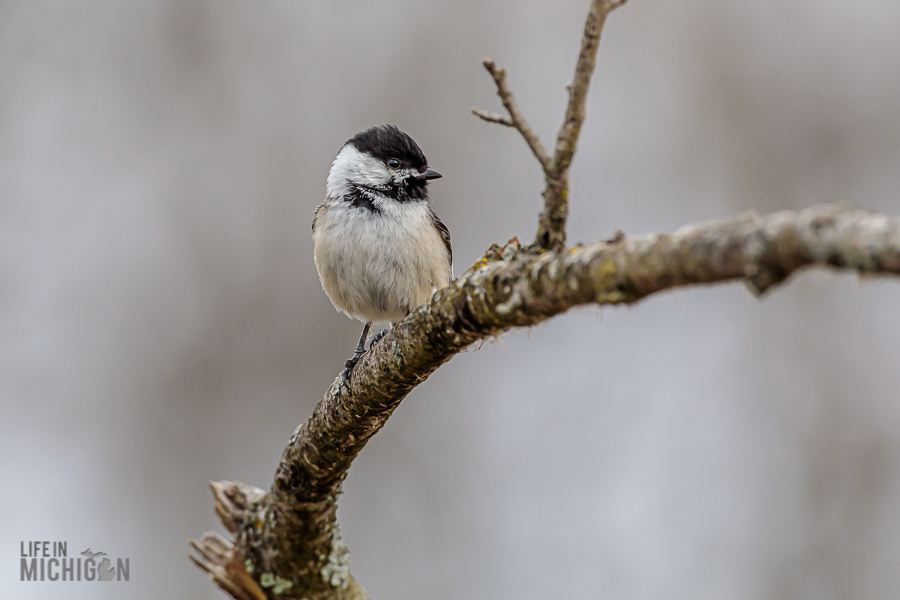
(348, 367)
(377, 337)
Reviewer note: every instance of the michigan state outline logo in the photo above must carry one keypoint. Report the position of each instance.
(50, 561)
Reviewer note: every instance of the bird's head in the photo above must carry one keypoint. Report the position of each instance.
(381, 160)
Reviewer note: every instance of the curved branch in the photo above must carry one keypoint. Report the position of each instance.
(289, 535)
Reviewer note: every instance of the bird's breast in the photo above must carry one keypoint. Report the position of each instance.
(379, 264)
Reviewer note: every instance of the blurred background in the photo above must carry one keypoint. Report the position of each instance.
(162, 324)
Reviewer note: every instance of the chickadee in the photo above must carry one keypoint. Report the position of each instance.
(380, 249)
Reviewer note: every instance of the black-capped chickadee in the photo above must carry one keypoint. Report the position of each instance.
(380, 249)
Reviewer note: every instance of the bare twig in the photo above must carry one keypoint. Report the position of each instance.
(516, 118)
(290, 535)
(567, 138)
(492, 117)
(551, 234)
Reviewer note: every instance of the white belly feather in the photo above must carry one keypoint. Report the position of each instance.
(378, 266)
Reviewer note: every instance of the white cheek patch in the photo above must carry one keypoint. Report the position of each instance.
(352, 165)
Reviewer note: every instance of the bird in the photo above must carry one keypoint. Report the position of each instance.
(380, 249)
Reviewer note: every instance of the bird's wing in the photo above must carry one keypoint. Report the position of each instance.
(320, 212)
(445, 236)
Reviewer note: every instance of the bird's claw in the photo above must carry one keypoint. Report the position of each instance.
(348, 367)
(377, 337)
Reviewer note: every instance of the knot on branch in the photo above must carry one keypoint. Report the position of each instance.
(232, 501)
(496, 253)
(223, 560)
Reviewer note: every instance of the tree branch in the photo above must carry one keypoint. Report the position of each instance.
(516, 118)
(551, 233)
(492, 117)
(289, 538)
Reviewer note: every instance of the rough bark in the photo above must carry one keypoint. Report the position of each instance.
(287, 543)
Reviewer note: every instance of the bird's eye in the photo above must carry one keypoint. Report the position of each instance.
(393, 163)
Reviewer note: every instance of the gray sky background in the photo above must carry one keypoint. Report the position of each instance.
(162, 325)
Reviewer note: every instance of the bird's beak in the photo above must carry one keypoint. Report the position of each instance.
(427, 174)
